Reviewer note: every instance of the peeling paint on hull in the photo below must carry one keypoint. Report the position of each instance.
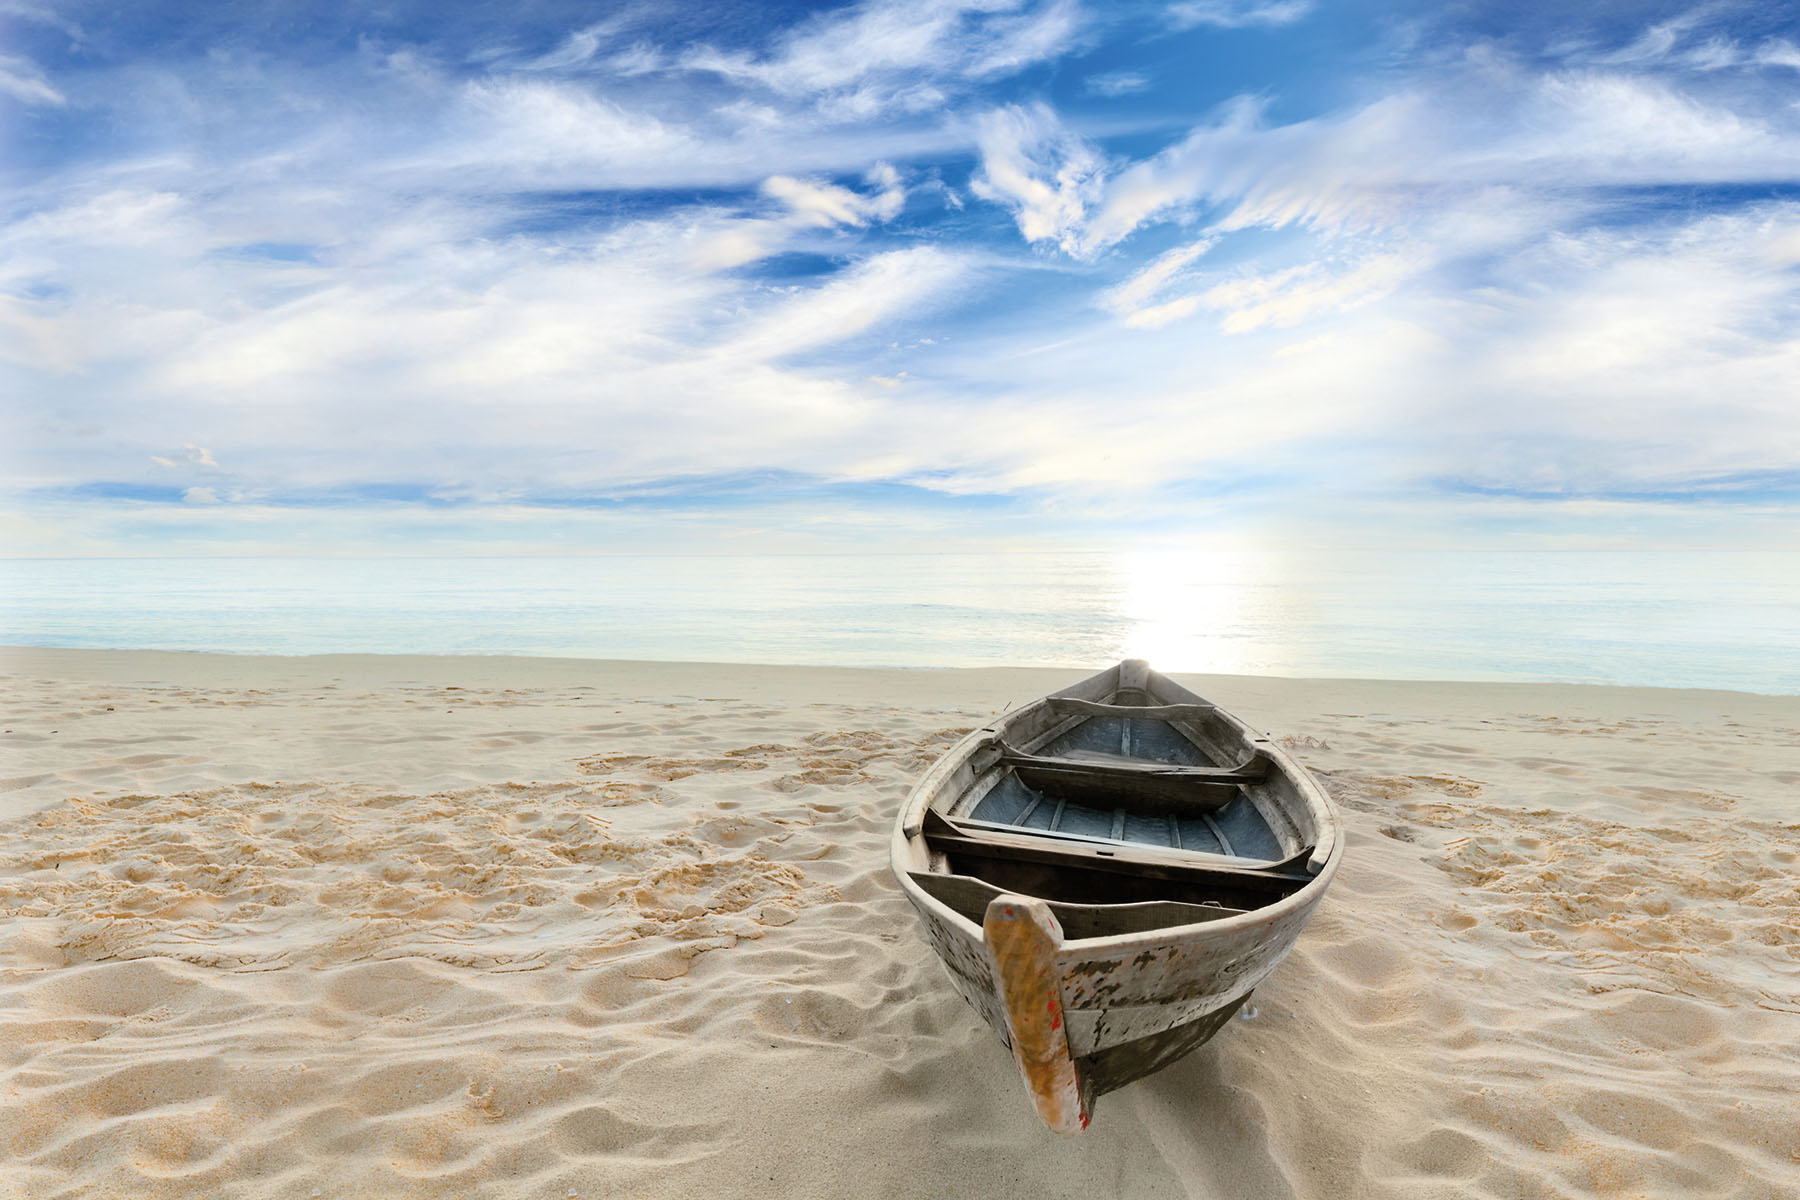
(1130, 1004)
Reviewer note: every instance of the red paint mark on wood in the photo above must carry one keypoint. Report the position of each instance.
(1022, 937)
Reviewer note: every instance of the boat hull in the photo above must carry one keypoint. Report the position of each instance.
(1129, 1001)
(1127, 1004)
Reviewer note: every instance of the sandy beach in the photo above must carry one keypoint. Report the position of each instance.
(444, 927)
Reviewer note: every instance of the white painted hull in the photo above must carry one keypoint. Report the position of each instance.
(1130, 1003)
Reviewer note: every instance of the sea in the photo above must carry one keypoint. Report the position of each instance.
(1671, 618)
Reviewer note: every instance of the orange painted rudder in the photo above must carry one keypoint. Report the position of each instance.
(1023, 936)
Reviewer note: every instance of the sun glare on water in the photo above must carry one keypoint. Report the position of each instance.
(1198, 609)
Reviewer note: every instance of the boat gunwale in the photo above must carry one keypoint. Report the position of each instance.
(909, 826)
(1308, 894)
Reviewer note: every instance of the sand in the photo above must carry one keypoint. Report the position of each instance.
(408, 927)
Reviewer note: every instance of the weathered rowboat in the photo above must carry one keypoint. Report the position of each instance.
(1107, 872)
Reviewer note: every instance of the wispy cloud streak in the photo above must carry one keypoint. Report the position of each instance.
(964, 248)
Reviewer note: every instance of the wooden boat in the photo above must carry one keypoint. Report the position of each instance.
(1107, 872)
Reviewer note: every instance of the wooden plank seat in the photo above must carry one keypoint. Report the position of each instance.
(970, 897)
(1070, 706)
(1101, 764)
(1226, 857)
(1081, 872)
(1112, 780)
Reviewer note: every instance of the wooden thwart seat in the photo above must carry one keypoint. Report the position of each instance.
(1069, 706)
(1251, 770)
(1225, 856)
(1070, 871)
(1122, 779)
(970, 897)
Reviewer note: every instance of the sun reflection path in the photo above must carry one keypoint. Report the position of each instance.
(1203, 610)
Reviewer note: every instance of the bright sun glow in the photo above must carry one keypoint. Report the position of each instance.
(1196, 609)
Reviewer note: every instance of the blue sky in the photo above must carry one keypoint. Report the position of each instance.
(551, 277)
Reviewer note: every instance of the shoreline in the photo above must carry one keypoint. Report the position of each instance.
(23, 654)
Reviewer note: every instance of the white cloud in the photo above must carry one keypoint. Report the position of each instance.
(1611, 361)
(884, 285)
(1237, 14)
(901, 55)
(1210, 161)
(1655, 42)
(812, 202)
(526, 123)
(520, 364)
(640, 58)
(1116, 83)
(1046, 174)
(117, 218)
(1600, 127)
(1250, 300)
(840, 50)
(1155, 316)
(25, 82)
(1132, 298)
(1393, 160)
(1287, 297)
(1714, 54)
(593, 132)
(722, 243)
(811, 205)
(189, 455)
(1779, 52)
(1439, 281)
(1012, 43)
(578, 48)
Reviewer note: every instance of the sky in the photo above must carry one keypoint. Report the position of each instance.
(414, 278)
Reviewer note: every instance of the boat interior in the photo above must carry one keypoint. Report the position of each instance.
(1126, 814)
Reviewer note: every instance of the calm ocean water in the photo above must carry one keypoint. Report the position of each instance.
(1670, 618)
